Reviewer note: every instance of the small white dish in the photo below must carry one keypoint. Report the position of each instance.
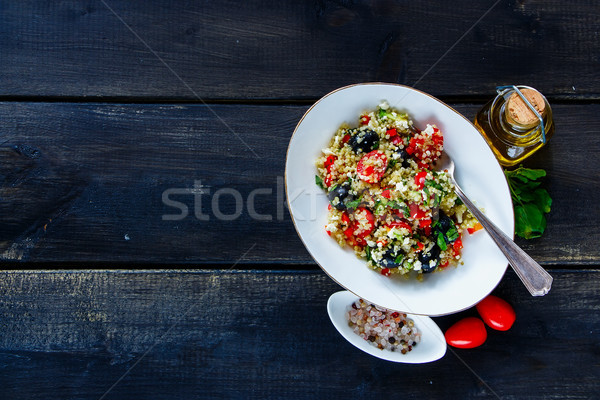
(477, 172)
(432, 346)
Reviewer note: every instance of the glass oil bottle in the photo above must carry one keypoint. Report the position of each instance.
(516, 123)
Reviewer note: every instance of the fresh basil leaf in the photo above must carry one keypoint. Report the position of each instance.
(531, 201)
(542, 200)
(525, 174)
(529, 221)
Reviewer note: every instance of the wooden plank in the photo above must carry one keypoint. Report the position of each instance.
(85, 183)
(294, 50)
(256, 335)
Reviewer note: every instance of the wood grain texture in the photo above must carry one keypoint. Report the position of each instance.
(295, 50)
(258, 335)
(85, 183)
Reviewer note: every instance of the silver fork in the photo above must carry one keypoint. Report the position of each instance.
(534, 277)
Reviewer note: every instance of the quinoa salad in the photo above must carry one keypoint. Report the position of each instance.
(385, 199)
(384, 329)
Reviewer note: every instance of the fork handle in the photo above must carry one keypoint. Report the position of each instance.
(534, 277)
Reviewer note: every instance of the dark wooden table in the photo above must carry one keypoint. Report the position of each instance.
(107, 105)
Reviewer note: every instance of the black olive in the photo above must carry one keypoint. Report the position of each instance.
(433, 254)
(444, 223)
(340, 195)
(363, 140)
(388, 260)
(404, 157)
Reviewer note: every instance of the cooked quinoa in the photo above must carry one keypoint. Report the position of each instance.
(386, 201)
(384, 329)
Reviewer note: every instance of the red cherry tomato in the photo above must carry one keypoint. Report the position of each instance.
(496, 313)
(372, 166)
(467, 333)
(396, 140)
(364, 223)
(400, 224)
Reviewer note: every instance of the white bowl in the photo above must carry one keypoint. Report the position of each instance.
(432, 346)
(477, 172)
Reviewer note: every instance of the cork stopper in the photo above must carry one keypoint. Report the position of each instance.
(519, 112)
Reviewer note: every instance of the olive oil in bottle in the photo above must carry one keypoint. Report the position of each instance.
(516, 123)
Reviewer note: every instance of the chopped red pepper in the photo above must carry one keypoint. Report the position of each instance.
(364, 119)
(415, 211)
(386, 193)
(328, 180)
(385, 272)
(346, 138)
(392, 132)
(474, 229)
(420, 179)
(329, 161)
(396, 140)
(425, 224)
(458, 244)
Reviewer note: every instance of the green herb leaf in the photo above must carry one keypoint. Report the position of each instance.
(531, 201)
(353, 203)
(529, 221)
(379, 208)
(452, 233)
(368, 251)
(319, 182)
(433, 184)
(437, 200)
(441, 242)
(399, 258)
